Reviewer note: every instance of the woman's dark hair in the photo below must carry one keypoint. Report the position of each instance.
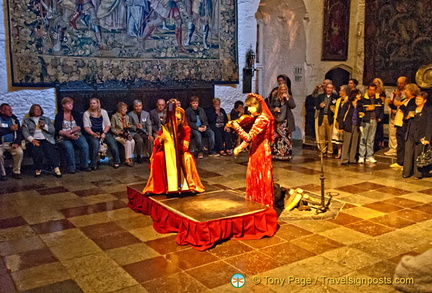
(287, 82)
(353, 94)
(32, 108)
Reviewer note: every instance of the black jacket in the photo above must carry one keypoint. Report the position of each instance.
(420, 125)
(58, 123)
(211, 116)
(330, 114)
(285, 111)
(379, 108)
(192, 119)
(18, 137)
(345, 117)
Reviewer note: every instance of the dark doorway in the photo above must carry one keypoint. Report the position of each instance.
(339, 77)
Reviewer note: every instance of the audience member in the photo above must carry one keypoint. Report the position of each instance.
(280, 107)
(157, 117)
(97, 127)
(418, 133)
(405, 105)
(349, 122)
(198, 123)
(235, 114)
(39, 131)
(10, 141)
(379, 136)
(68, 124)
(325, 104)
(352, 85)
(217, 118)
(394, 104)
(141, 131)
(121, 126)
(373, 113)
(337, 135)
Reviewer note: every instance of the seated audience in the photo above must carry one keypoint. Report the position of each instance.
(39, 131)
(217, 118)
(141, 131)
(157, 117)
(198, 123)
(235, 114)
(121, 126)
(10, 141)
(97, 127)
(68, 125)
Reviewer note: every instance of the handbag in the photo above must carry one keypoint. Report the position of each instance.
(103, 148)
(425, 158)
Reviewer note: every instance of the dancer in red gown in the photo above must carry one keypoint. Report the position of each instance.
(172, 166)
(259, 174)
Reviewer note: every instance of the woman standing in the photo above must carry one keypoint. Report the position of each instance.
(349, 122)
(259, 174)
(97, 130)
(419, 133)
(39, 131)
(281, 106)
(120, 126)
(337, 135)
(68, 124)
(217, 118)
(379, 136)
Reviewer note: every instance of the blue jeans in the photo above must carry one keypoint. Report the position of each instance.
(69, 146)
(94, 144)
(367, 138)
(197, 135)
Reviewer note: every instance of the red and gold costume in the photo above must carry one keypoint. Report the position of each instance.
(172, 166)
(259, 174)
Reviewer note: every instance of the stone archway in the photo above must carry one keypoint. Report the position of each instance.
(282, 48)
(340, 75)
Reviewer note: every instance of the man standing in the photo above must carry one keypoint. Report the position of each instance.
(142, 131)
(10, 141)
(157, 116)
(394, 104)
(325, 105)
(372, 113)
(198, 123)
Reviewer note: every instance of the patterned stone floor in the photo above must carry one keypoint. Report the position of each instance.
(75, 234)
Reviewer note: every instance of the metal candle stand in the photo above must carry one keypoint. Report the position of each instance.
(324, 207)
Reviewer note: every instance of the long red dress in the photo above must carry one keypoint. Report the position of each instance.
(259, 174)
(162, 179)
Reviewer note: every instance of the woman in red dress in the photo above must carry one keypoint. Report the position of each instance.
(172, 166)
(259, 174)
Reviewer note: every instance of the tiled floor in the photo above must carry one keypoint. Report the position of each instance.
(76, 234)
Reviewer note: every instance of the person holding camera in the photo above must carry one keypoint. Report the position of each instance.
(39, 131)
(142, 131)
(97, 127)
(281, 106)
(121, 126)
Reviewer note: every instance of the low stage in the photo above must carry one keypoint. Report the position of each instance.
(204, 220)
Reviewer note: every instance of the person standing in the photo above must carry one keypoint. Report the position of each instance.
(394, 104)
(372, 113)
(325, 104)
(141, 131)
(10, 141)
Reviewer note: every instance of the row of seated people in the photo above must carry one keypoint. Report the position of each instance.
(93, 131)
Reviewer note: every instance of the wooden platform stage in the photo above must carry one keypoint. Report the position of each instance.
(206, 219)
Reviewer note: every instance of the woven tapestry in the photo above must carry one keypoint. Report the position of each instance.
(95, 41)
(398, 38)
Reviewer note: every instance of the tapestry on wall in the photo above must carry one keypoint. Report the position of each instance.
(398, 38)
(335, 30)
(128, 41)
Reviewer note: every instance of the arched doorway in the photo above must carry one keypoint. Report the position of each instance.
(339, 76)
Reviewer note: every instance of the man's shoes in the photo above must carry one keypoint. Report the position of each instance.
(214, 154)
(395, 165)
(3, 178)
(371, 159)
(17, 175)
(86, 169)
(200, 155)
(390, 153)
(361, 160)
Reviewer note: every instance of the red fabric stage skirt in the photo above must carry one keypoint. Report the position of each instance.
(204, 235)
